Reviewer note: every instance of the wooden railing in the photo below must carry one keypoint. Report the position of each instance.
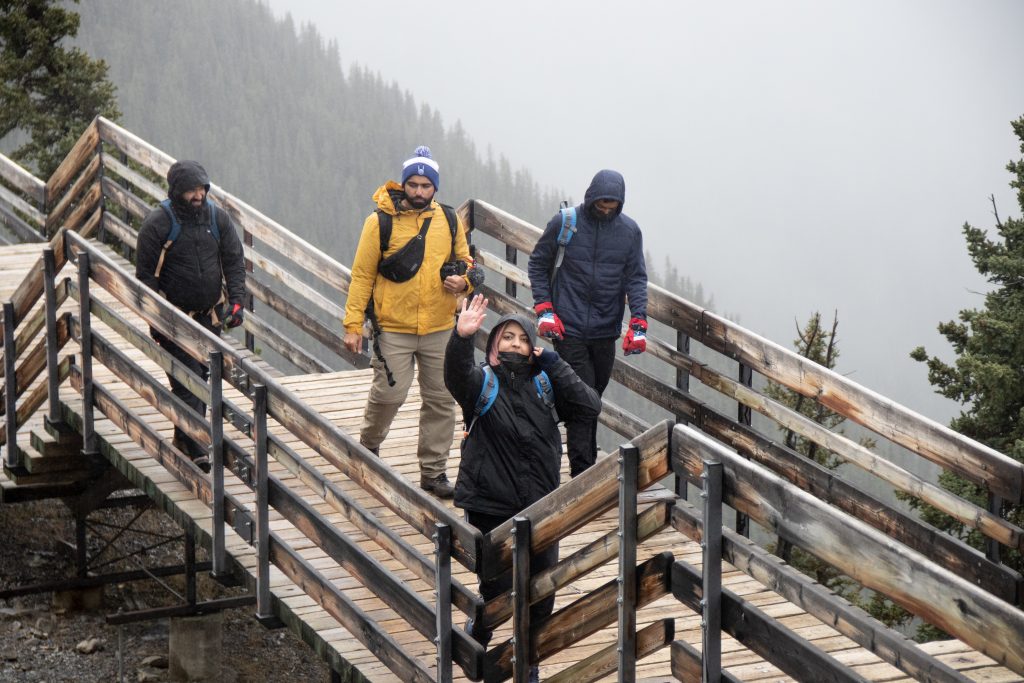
(110, 181)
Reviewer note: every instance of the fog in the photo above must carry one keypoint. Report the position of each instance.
(789, 156)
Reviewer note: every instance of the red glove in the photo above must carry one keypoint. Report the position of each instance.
(548, 324)
(232, 315)
(636, 337)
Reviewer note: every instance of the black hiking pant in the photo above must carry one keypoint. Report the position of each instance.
(592, 360)
(182, 440)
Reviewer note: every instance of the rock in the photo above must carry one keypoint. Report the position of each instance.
(155, 661)
(89, 645)
(45, 624)
(143, 676)
(9, 656)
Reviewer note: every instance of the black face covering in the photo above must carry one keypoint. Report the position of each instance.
(515, 362)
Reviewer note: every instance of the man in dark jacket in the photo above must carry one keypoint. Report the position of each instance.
(192, 272)
(580, 298)
(512, 454)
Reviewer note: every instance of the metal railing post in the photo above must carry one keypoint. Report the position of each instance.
(992, 552)
(511, 255)
(85, 343)
(443, 600)
(10, 387)
(219, 559)
(50, 302)
(683, 383)
(744, 417)
(629, 458)
(259, 435)
(521, 531)
(711, 547)
(249, 303)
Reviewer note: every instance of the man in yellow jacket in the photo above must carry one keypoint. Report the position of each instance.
(415, 314)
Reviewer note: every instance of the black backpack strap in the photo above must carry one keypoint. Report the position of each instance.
(384, 221)
(453, 225)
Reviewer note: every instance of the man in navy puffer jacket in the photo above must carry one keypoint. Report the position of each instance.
(581, 307)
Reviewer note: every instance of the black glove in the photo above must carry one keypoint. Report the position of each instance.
(232, 315)
(547, 360)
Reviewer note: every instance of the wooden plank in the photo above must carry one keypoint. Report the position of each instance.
(150, 189)
(73, 194)
(34, 215)
(817, 600)
(761, 633)
(85, 147)
(22, 180)
(582, 618)
(134, 147)
(125, 199)
(687, 664)
(649, 639)
(290, 281)
(572, 505)
(272, 338)
(932, 592)
(123, 232)
(17, 226)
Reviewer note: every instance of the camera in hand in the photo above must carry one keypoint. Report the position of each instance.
(473, 274)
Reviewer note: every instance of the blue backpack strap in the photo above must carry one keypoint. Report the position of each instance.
(488, 392)
(214, 228)
(545, 392)
(172, 235)
(565, 234)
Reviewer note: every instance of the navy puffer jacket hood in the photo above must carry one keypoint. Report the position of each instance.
(607, 184)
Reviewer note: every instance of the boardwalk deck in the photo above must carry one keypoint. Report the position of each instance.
(340, 397)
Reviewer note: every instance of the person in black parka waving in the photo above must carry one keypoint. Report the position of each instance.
(512, 453)
(199, 267)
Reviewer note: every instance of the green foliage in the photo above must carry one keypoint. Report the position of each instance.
(821, 345)
(987, 377)
(48, 91)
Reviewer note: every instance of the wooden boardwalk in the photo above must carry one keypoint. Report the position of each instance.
(340, 397)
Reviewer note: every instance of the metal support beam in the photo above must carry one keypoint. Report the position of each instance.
(217, 459)
(190, 565)
(85, 343)
(511, 255)
(10, 387)
(521, 531)
(259, 408)
(443, 600)
(629, 460)
(52, 369)
(682, 383)
(744, 417)
(711, 545)
(992, 552)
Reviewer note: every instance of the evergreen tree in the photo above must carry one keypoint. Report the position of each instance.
(987, 376)
(821, 345)
(48, 91)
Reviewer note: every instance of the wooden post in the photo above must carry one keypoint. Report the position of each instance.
(259, 435)
(743, 416)
(521, 600)
(10, 386)
(995, 503)
(52, 369)
(85, 343)
(711, 546)
(443, 600)
(217, 461)
(629, 459)
(250, 340)
(511, 255)
(682, 383)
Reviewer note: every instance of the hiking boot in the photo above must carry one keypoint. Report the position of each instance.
(375, 451)
(439, 485)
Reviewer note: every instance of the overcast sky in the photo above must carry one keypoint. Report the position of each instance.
(789, 156)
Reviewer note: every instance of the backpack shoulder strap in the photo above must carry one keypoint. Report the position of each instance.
(384, 221)
(568, 225)
(545, 392)
(488, 392)
(214, 227)
(453, 225)
(172, 234)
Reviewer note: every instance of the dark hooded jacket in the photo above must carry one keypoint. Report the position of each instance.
(196, 265)
(513, 453)
(602, 267)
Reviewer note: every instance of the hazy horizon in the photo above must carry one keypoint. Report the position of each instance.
(788, 156)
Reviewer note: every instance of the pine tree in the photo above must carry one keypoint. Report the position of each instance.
(821, 345)
(987, 377)
(48, 91)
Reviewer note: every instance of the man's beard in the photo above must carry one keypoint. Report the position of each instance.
(418, 202)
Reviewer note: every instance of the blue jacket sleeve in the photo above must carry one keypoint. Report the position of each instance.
(636, 279)
(541, 261)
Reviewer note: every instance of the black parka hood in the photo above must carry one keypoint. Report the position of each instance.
(528, 325)
(607, 184)
(182, 176)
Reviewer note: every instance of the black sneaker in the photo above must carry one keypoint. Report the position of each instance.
(439, 486)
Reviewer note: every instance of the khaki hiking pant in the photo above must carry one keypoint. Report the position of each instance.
(403, 353)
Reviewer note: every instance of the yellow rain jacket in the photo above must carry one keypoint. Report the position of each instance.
(420, 305)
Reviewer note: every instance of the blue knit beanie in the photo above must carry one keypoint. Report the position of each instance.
(421, 164)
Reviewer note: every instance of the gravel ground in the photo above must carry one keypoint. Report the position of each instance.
(40, 642)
